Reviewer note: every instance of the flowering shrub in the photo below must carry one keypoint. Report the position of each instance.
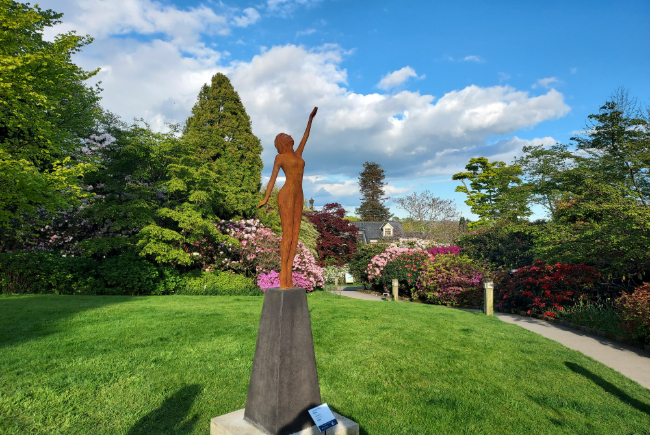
(451, 279)
(272, 279)
(330, 273)
(437, 250)
(259, 253)
(541, 287)
(635, 309)
(259, 249)
(403, 264)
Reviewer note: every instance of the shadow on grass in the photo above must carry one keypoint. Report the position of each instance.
(609, 387)
(171, 416)
(25, 318)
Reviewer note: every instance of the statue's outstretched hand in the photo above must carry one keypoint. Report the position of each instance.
(264, 201)
(313, 113)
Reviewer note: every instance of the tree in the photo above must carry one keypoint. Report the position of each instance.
(427, 210)
(542, 168)
(45, 112)
(337, 241)
(618, 145)
(223, 176)
(493, 192)
(371, 185)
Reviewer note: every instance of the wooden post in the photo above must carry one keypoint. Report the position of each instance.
(488, 300)
(395, 290)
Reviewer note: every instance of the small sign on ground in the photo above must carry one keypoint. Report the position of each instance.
(323, 417)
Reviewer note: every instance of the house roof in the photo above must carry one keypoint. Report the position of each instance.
(374, 230)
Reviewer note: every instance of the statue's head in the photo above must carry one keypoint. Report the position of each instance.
(283, 143)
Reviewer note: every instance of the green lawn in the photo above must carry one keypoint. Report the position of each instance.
(168, 364)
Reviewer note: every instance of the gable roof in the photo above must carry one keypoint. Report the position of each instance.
(373, 230)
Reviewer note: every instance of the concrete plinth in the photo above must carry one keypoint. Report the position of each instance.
(234, 424)
(284, 381)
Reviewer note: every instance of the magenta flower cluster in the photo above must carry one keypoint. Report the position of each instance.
(437, 250)
(272, 279)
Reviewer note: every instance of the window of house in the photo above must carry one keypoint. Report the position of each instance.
(388, 232)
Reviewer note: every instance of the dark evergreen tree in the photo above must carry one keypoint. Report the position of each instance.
(371, 185)
(219, 134)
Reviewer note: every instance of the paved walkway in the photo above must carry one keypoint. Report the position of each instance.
(631, 362)
(352, 292)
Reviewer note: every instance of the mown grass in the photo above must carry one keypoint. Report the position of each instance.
(168, 364)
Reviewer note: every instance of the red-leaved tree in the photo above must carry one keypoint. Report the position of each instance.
(337, 241)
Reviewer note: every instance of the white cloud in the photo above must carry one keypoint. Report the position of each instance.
(546, 82)
(472, 58)
(305, 32)
(396, 78)
(102, 18)
(284, 7)
(251, 16)
(407, 133)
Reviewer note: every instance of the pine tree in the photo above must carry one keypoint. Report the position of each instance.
(219, 135)
(371, 185)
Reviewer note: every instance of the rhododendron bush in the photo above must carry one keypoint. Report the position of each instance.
(437, 250)
(272, 279)
(542, 287)
(450, 279)
(635, 309)
(259, 253)
(403, 264)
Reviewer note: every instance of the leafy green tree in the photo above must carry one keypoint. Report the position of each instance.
(542, 168)
(45, 112)
(494, 190)
(602, 216)
(46, 109)
(598, 225)
(371, 185)
(222, 173)
(618, 146)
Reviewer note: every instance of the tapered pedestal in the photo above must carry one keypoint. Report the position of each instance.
(284, 381)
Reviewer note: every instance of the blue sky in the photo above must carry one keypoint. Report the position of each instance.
(417, 86)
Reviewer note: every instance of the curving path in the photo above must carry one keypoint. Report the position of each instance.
(631, 362)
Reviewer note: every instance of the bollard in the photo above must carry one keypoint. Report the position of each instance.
(336, 285)
(488, 300)
(395, 290)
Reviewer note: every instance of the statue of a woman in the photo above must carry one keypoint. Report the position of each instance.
(290, 198)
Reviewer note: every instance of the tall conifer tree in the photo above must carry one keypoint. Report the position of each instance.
(371, 185)
(219, 132)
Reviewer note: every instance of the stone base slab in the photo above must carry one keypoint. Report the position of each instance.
(234, 424)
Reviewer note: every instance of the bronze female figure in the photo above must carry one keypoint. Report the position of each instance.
(290, 198)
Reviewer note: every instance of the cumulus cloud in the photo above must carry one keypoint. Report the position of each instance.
(546, 82)
(250, 16)
(407, 133)
(102, 18)
(396, 78)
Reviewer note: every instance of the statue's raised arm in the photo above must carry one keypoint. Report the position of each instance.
(301, 147)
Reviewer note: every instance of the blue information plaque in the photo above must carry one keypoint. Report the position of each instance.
(323, 417)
